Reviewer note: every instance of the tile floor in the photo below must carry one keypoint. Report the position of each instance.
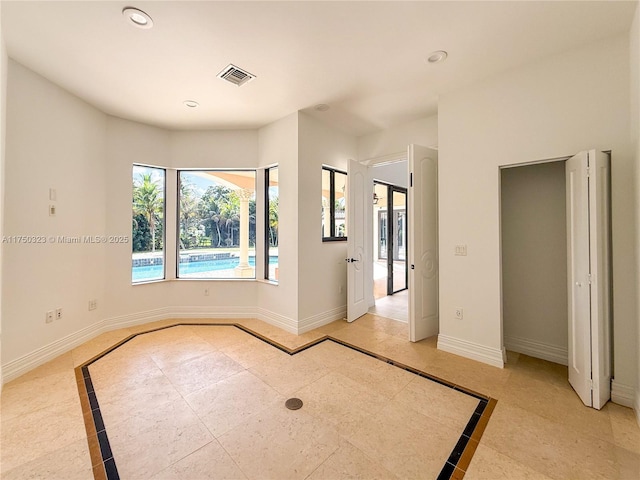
(219, 398)
(394, 306)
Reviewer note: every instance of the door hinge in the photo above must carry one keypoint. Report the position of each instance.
(588, 172)
(411, 179)
(589, 277)
(591, 384)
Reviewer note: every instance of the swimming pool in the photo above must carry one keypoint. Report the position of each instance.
(156, 272)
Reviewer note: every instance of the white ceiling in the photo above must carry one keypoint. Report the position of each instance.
(367, 60)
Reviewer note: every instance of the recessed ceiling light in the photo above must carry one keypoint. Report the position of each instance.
(322, 107)
(137, 17)
(191, 103)
(438, 56)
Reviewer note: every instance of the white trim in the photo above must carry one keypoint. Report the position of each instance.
(321, 319)
(22, 365)
(474, 351)
(622, 394)
(385, 159)
(277, 320)
(535, 349)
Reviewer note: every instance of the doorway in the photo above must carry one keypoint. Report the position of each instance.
(390, 236)
(556, 274)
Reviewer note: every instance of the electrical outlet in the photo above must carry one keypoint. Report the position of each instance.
(52, 210)
(58, 313)
(461, 250)
(93, 304)
(49, 316)
(458, 313)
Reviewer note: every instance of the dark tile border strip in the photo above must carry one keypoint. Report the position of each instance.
(104, 465)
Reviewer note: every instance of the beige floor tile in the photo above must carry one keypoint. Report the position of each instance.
(628, 464)
(197, 373)
(221, 336)
(330, 354)
(289, 374)
(361, 336)
(441, 403)
(71, 462)
(29, 436)
(25, 397)
(377, 375)
(60, 364)
(408, 444)
(125, 366)
(341, 401)
(210, 462)
(348, 462)
(542, 370)
(99, 344)
(413, 354)
(152, 441)
(546, 446)
(251, 351)
(383, 324)
(181, 349)
(559, 404)
(626, 433)
(120, 402)
(226, 404)
(487, 464)
(280, 444)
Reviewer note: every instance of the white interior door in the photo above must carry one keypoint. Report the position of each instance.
(600, 248)
(588, 273)
(422, 242)
(356, 256)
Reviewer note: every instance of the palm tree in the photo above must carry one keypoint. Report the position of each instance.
(273, 221)
(148, 201)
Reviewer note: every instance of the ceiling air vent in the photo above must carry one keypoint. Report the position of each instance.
(235, 75)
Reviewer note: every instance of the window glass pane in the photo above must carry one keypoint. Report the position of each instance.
(340, 205)
(217, 217)
(271, 267)
(147, 231)
(326, 203)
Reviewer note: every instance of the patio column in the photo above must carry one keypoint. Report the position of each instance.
(244, 269)
(326, 215)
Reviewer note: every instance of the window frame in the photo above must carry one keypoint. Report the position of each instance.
(267, 238)
(179, 171)
(164, 224)
(332, 204)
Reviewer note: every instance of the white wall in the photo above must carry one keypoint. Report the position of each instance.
(534, 260)
(570, 102)
(396, 173)
(131, 142)
(394, 140)
(54, 140)
(3, 117)
(634, 59)
(278, 144)
(321, 264)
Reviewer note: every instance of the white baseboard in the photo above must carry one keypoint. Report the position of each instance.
(25, 363)
(22, 365)
(535, 349)
(324, 318)
(286, 323)
(474, 351)
(623, 394)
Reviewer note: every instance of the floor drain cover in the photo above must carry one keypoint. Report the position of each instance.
(293, 403)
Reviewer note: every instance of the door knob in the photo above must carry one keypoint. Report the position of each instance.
(351, 260)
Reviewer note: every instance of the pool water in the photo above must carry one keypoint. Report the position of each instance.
(156, 272)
